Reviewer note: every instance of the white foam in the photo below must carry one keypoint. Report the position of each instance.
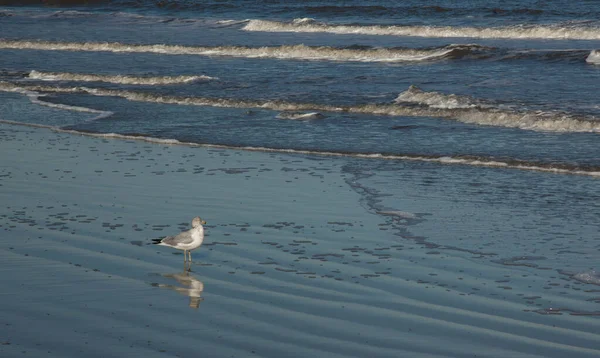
(549, 122)
(294, 52)
(304, 21)
(101, 114)
(468, 110)
(513, 32)
(436, 99)
(34, 97)
(300, 116)
(593, 57)
(231, 22)
(119, 79)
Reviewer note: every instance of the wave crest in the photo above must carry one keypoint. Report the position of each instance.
(300, 52)
(434, 105)
(118, 79)
(436, 99)
(300, 115)
(294, 52)
(593, 57)
(468, 110)
(553, 32)
(297, 52)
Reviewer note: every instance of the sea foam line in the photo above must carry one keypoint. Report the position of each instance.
(295, 52)
(469, 110)
(553, 32)
(550, 121)
(119, 79)
(446, 160)
(34, 97)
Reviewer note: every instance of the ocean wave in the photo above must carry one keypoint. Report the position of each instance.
(119, 79)
(438, 100)
(14, 74)
(432, 104)
(293, 52)
(100, 114)
(227, 23)
(574, 55)
(34, 97)
(399, 9)
(300, 115)
(296, 52)
(553, 32)
(593, 57)
(468, 110)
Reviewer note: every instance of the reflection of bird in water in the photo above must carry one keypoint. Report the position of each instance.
(187, 240)
(192, 287)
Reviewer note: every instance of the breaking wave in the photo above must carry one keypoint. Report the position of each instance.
(593, 57)
(419, 103)
(553, 32)
(300, 115)
(34, 97)
(437, 100)
(119, 79)
(288, 52)
(296, 52)
(468, 110)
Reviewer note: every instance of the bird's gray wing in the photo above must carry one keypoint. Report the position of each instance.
(182, 238)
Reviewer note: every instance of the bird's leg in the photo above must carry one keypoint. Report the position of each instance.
(190, 253)
(184, 255)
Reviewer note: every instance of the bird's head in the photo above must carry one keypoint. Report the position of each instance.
(197, 222)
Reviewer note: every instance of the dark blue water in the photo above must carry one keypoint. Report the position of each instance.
(544, 84)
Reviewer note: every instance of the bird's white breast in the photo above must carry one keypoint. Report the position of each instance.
(198, 234)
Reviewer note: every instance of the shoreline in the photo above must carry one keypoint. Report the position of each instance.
(443, 160)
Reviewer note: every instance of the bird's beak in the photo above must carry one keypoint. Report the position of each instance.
(203, 222)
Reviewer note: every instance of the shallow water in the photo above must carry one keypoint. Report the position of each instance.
(304, 254)
(375, 164)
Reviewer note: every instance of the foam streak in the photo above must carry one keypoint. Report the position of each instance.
(473, 114)
(34, 97)
(32, 92)
(552, 32)
(294, 52)
(446, 160)
(118, 79)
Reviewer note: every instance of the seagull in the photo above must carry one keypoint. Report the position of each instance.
(187, 240)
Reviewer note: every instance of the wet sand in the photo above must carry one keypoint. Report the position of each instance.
(295, 264)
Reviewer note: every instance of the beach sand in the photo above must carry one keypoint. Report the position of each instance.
(295, 264)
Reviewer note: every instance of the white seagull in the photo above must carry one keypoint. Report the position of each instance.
(187, 240)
